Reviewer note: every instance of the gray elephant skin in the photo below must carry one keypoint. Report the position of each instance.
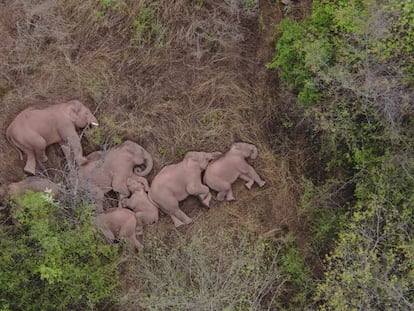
(221, 173)
(176, 182)
(109, 170)
(34, 129)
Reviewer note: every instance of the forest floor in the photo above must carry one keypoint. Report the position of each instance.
(187, 75)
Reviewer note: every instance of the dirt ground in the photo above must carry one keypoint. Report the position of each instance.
(194, 79)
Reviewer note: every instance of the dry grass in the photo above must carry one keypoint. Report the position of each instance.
(198, 83)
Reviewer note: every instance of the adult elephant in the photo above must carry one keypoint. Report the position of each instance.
(176, 182)
(223, 172)
(34, 129)
(109, 170)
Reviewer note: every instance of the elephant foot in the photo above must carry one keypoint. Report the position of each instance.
(81, 160)
(29, 171)
(221, 196)
(249, 184)
(261, 183)
(206, 201)
(230, 198)
(179, 223)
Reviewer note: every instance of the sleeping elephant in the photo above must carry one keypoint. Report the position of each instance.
(32, 183)
(109, 170)
(176, 182)
(34, 129)
(223, 172)
(118, 223)
(146, 211)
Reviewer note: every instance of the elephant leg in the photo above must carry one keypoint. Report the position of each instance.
(30, 166)
(128, 231)
(200, 190)
(178, 222)
(109, 235)
(178, 216)
(139, 230)
(249, 180)
(250, 172)
(206, 199)
(74, 145)
(221, 195)
(134, 241)
(229, 195)
(66, 151)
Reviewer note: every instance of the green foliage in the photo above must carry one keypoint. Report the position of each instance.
(349, 63)
(52, 261)
(146, 28)
(225, 271)
(294, 266)
(373, 263)
(109, 132)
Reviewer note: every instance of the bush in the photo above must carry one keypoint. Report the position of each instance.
(54, 262)
(349, 63)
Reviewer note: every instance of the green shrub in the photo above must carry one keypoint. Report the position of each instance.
(54, 262)
(349, 63)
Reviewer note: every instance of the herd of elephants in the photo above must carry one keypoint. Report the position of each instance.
(122, 169)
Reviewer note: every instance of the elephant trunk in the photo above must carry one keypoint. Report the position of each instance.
(254, 153)
(148, 162)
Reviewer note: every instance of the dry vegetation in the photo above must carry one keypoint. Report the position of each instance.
(189, 75)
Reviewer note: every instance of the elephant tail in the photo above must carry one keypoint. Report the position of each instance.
(14, 143)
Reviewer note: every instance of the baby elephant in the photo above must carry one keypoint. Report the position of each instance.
(118, 223)
(221, 173)
(145, 210)
(32, 183)
(175, 182)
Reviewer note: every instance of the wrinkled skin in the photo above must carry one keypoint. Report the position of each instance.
(110, 170)
(221, 173)
(34, 129)
(118, 223)
(32, 183)
(145, 210)
(176, 182)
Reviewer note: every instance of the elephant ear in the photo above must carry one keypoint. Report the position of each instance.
(192, 158)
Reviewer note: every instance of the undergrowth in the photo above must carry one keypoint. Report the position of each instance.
(50, 261)
(350, 64)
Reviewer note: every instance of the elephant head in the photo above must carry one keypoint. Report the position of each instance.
(80, 115)
(137, 183)
(139, 157)
(200, 159)
(246, 150)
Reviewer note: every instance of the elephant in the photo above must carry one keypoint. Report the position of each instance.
(118, 223)
(34, 129)
(31, 183)
(146, 211)
(221, 173)
(109, 170)
(176, 182)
